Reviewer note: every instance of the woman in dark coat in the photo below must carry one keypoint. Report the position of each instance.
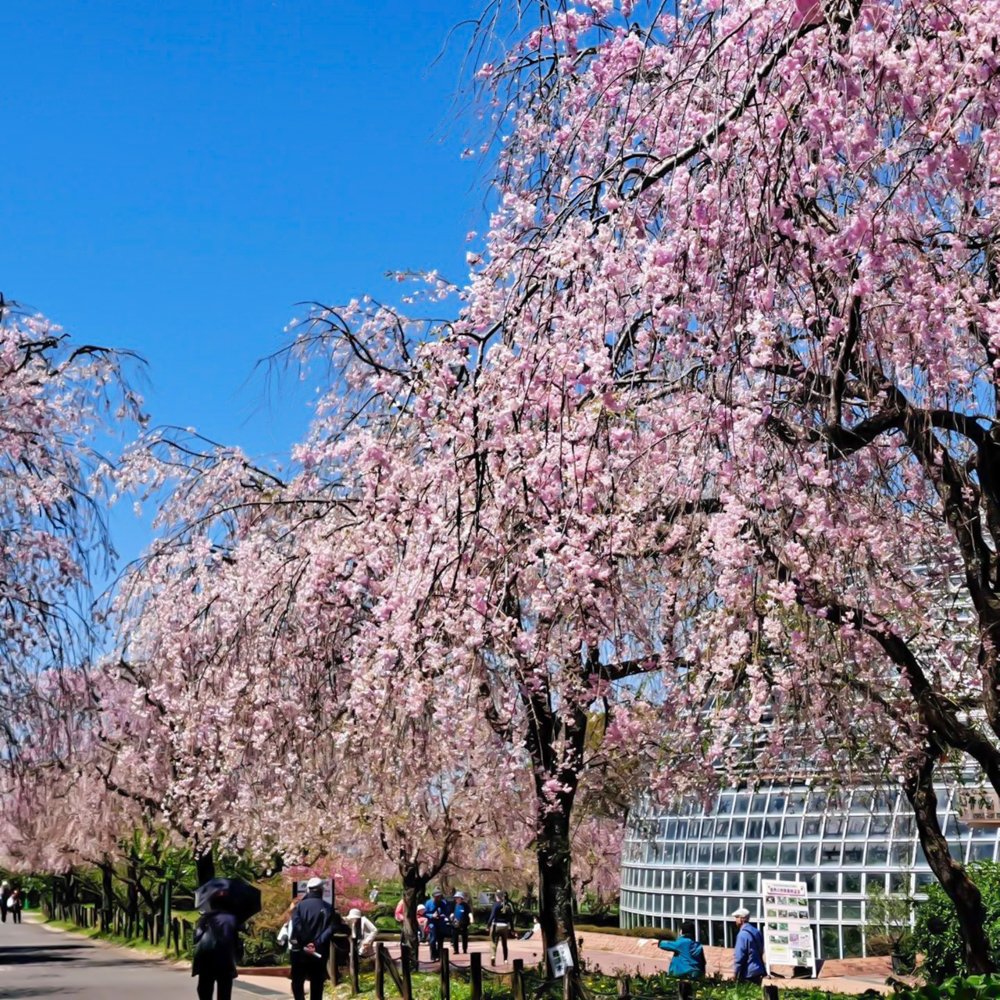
(216, 947)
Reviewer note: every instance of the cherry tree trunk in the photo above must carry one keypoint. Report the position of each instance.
(953, 878)
(555, 909)
(107, 895)
(414, 891)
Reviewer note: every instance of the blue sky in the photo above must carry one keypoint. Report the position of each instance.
(176, 177)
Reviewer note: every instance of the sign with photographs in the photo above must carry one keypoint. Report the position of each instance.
(978, 807)
(788, 936)
(560, 959)
(299, 889)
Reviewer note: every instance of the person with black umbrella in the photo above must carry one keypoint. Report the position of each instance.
(225, 903)
(216, 947)
(312, 928)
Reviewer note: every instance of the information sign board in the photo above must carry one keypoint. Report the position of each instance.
(560, 958)
(978, 807)
(788, 937)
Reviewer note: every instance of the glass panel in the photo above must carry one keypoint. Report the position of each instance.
(708, 828)
(905, 827)
(810, 827)
(682, 829)
(719, 854)
(852, 911)
(828, 909)
(725, 805)
(777, 804)
(808, 854)
(750, 882)
(689, 905)
(769, 854)
(772, 829)
(718, 906)
(788, 855)
(796, 803)
(759, 804)
(754, 829)
(861, 803)
(703, 881)
(856, 826)
(829, 883)
(704, 854)
(878, 880)
(852, 942)
(817, 802)
(668, 852)
(829, 941)
(739, 828)
(899, 882)
(924, 879)
(733, 882)
(752, 854)
(880, 826)
(735, 854)
(742, 803)
(829, 854)
(717, 881)
(852, 882)
(854, 853)
(792, 827)
(878, 854)
(689, 880)
(722, 828)
(703, 904)
(981, 851)
(902, 855)
(834, 826)
(717, 928)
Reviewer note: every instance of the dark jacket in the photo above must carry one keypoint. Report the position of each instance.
(689, 957)
(437, 913)
(462, 915)
(312, 924)
(216, 946)
(502, 913)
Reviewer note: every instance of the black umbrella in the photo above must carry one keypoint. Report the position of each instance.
(230, 895)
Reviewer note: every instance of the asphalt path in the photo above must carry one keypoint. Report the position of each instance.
(38, 962)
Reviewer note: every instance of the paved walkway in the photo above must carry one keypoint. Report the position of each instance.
(36, 961)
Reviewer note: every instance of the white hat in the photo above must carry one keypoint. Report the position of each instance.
(742, 912)
(314, 883)
(354, 914)
(459, 895)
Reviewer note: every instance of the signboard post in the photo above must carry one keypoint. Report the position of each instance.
(788, 938)
(299, 889)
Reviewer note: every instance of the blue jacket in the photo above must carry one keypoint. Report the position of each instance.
(463, 914)
(748, 959)
(437, 913)
(689, 958)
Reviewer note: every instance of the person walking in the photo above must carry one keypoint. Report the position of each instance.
(312, 928)
(689, 956)
(15, 904)
(216, 948)
(748, 958)
(437, 910)
(4, 896)
(461, 918)
(500, 925)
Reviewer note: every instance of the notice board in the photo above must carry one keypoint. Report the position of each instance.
(788, 936)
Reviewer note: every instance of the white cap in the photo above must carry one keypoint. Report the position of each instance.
(742, 912)
(314, 883)
(354, 914)
(459, 895)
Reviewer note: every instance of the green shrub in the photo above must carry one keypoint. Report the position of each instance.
(936, 934)
(955, 988)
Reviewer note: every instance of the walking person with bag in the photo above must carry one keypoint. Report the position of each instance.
(216, 949)
(312, 929)
(500, 925)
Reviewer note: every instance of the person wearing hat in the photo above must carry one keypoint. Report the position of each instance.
(4, 895)
(312, 929)
(748, 958)
(437, 909)
(460, 919)
(362, 930)
(689, 956)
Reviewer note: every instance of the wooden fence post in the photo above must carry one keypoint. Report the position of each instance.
(331, 963)
(404, 972)
(518, 979)
(380, 971)
(624, 985)
(445, 972)
(476, 972)
(353, 962)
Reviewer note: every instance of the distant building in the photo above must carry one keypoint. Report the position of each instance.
(686, 862)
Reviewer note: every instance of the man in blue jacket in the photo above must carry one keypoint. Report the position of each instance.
(437, 910)
(748, 959)
(689, 956)
(312, 928)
